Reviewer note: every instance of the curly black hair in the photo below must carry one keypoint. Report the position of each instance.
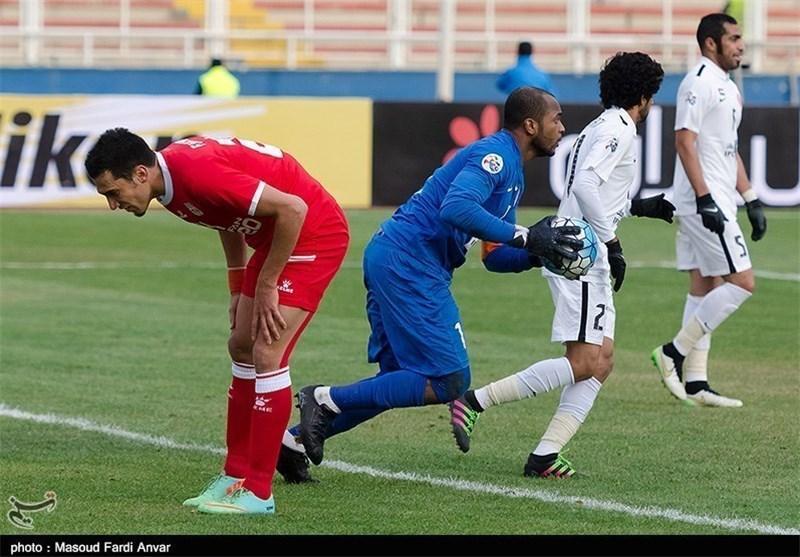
(627, 78)
(118, 151)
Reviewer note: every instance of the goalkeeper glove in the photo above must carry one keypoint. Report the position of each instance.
(617, 262)
(543, 240)
(655, 207)
(712, 216)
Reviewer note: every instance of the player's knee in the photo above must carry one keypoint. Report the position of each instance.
(604, 368)
(583, 366)
(450, 387)
(240, 348)
(266, 356)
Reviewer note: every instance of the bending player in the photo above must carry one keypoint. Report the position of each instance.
(259, 196)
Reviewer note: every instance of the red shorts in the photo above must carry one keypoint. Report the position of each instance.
(307, 274)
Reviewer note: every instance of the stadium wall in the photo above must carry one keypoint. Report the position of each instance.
(379, 86)
(366, 153)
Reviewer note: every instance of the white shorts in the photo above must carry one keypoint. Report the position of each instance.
(715, 255)
(584, 310)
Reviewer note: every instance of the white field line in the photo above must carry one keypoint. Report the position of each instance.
(674, 515)
(91, 265)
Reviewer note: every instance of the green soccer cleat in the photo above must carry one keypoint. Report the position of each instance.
(241, 501)
(548, 466)
(462, 419)
(216, 489)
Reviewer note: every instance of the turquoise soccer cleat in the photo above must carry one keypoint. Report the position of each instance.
(216, 489)
(241, 501)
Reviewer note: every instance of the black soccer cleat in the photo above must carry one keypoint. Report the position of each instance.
(293, 466)
(314, 422)
(548, 466)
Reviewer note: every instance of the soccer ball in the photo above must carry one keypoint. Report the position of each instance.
(586, 255)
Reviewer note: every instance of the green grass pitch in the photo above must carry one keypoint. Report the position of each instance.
(123, 322)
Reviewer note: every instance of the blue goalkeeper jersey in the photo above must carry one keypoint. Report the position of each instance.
(472, 196)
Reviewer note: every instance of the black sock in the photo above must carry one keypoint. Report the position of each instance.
(469, 396)
(694, 387)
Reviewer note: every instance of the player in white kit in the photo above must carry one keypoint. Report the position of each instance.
(600, 170)
(710, 244)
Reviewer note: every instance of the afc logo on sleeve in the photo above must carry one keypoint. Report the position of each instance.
(492, 163)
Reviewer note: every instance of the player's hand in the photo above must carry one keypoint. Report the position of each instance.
(232, 309)
(755, 213)
(543, 240)
(712, 216)
(267, 318)
(655, 207)
(617, 262)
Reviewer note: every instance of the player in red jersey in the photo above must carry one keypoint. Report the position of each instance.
(259, 196)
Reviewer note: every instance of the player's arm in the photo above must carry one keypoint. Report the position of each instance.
(288, 212)
(686, 146)
(755, 211)
(462, 208)
(500, 258)
(235, 250)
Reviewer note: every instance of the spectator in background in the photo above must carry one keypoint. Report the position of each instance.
(218, 82)
(525, 72)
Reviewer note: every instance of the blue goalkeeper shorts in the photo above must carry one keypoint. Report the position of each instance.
(414, 319)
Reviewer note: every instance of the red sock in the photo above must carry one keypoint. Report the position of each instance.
(270, 416)
(240, 407)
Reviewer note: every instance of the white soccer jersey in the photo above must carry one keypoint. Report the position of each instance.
(710, 105)
(606, 146)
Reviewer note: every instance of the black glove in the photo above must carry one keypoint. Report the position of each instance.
(655, 207)
(552, 243)
(755, 212)
(712, 216)
(617, 263)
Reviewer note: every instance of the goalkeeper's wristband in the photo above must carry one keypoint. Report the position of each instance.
(235, 279)
(749, 195)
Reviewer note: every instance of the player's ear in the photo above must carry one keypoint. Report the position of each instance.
(531, 126)
(139, 173)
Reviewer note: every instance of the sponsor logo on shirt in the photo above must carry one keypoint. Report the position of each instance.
(721, 92)
(492, 163)
(612, 144)
(193, 209)
(691, 98)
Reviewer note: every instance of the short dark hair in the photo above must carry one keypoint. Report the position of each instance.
(627, 78)
(524, 102)
(525, 49)
(119, 151)
(712, 25)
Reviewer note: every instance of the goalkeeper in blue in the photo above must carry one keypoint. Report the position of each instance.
(417, 338)
(600, 172)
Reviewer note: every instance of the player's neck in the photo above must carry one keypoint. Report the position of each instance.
(713, 57)
(157, 188)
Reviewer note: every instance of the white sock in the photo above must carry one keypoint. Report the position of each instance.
(539, 378)
(576, 402)
(719, 304)
(271, 381)
(695, 366)
(689, 309)
(323, 396)
(290, 441)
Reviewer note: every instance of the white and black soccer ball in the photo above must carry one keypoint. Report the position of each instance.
(586, 255)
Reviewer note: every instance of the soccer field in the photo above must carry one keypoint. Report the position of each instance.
(115, 372)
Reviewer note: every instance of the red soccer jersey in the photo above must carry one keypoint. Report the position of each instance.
(217, 182)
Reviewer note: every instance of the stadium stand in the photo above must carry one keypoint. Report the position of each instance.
(364, 33)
